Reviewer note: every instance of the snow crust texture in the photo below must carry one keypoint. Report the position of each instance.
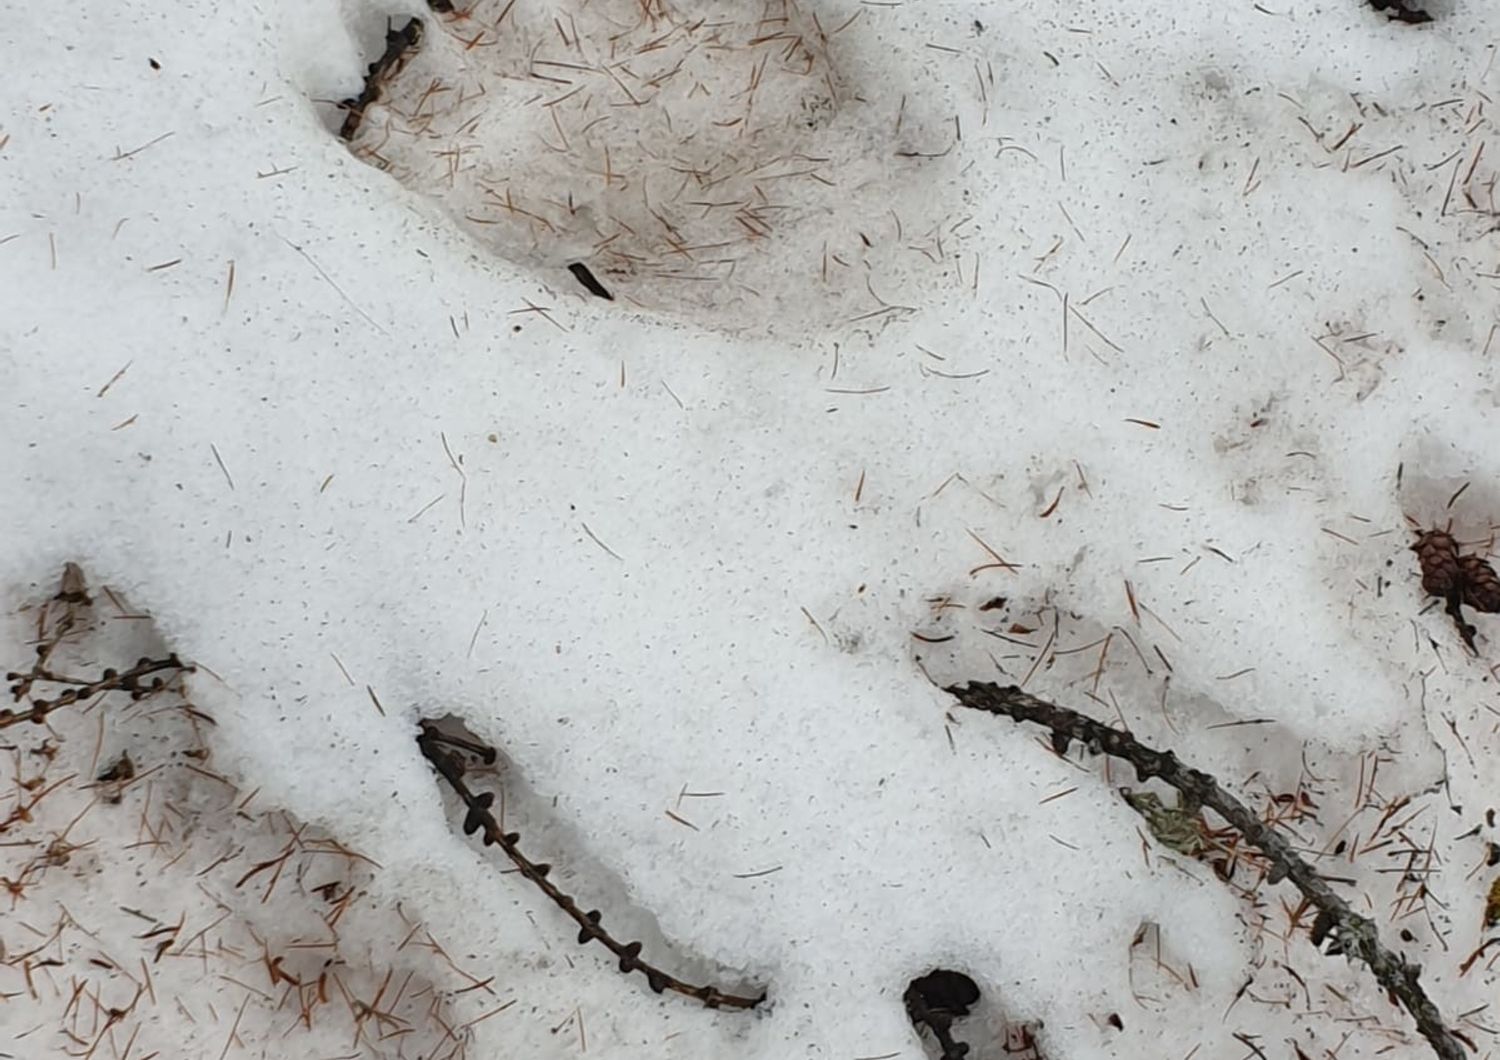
(1110, 349)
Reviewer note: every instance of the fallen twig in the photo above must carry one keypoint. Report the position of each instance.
(1346, 931)
(109, 681)
(433, 744)
(398, 44)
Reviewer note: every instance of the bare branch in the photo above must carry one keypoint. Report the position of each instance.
(1346, 932)
(433, 744)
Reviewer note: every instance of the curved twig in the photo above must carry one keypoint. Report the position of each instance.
(431, 741)
(399, 44)
(1347, 931)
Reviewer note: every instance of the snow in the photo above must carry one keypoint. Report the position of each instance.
(1180, 310)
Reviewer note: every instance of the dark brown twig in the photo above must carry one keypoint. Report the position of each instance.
(433, 744)
(1347, 932)
(398, 44)
(1466, 631)
(130, 680)
(73, 595)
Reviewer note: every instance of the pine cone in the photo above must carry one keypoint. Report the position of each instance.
(1437, 552)
(1481, 585)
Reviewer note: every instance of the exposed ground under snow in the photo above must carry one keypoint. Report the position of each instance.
(1160, 322)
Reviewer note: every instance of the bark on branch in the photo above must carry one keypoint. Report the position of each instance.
(1345, 930)
(434, 745)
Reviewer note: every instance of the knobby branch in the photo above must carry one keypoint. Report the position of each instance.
(1345, 930)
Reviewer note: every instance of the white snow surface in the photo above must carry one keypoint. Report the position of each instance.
(1183, 309)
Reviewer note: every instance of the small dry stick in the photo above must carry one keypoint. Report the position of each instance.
(109, 681)
(433, 744)
(1347, 931)
(73, 595)
(399, 43)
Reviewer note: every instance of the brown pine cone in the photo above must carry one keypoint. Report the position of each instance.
(1437, 552)
(1481, 585)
